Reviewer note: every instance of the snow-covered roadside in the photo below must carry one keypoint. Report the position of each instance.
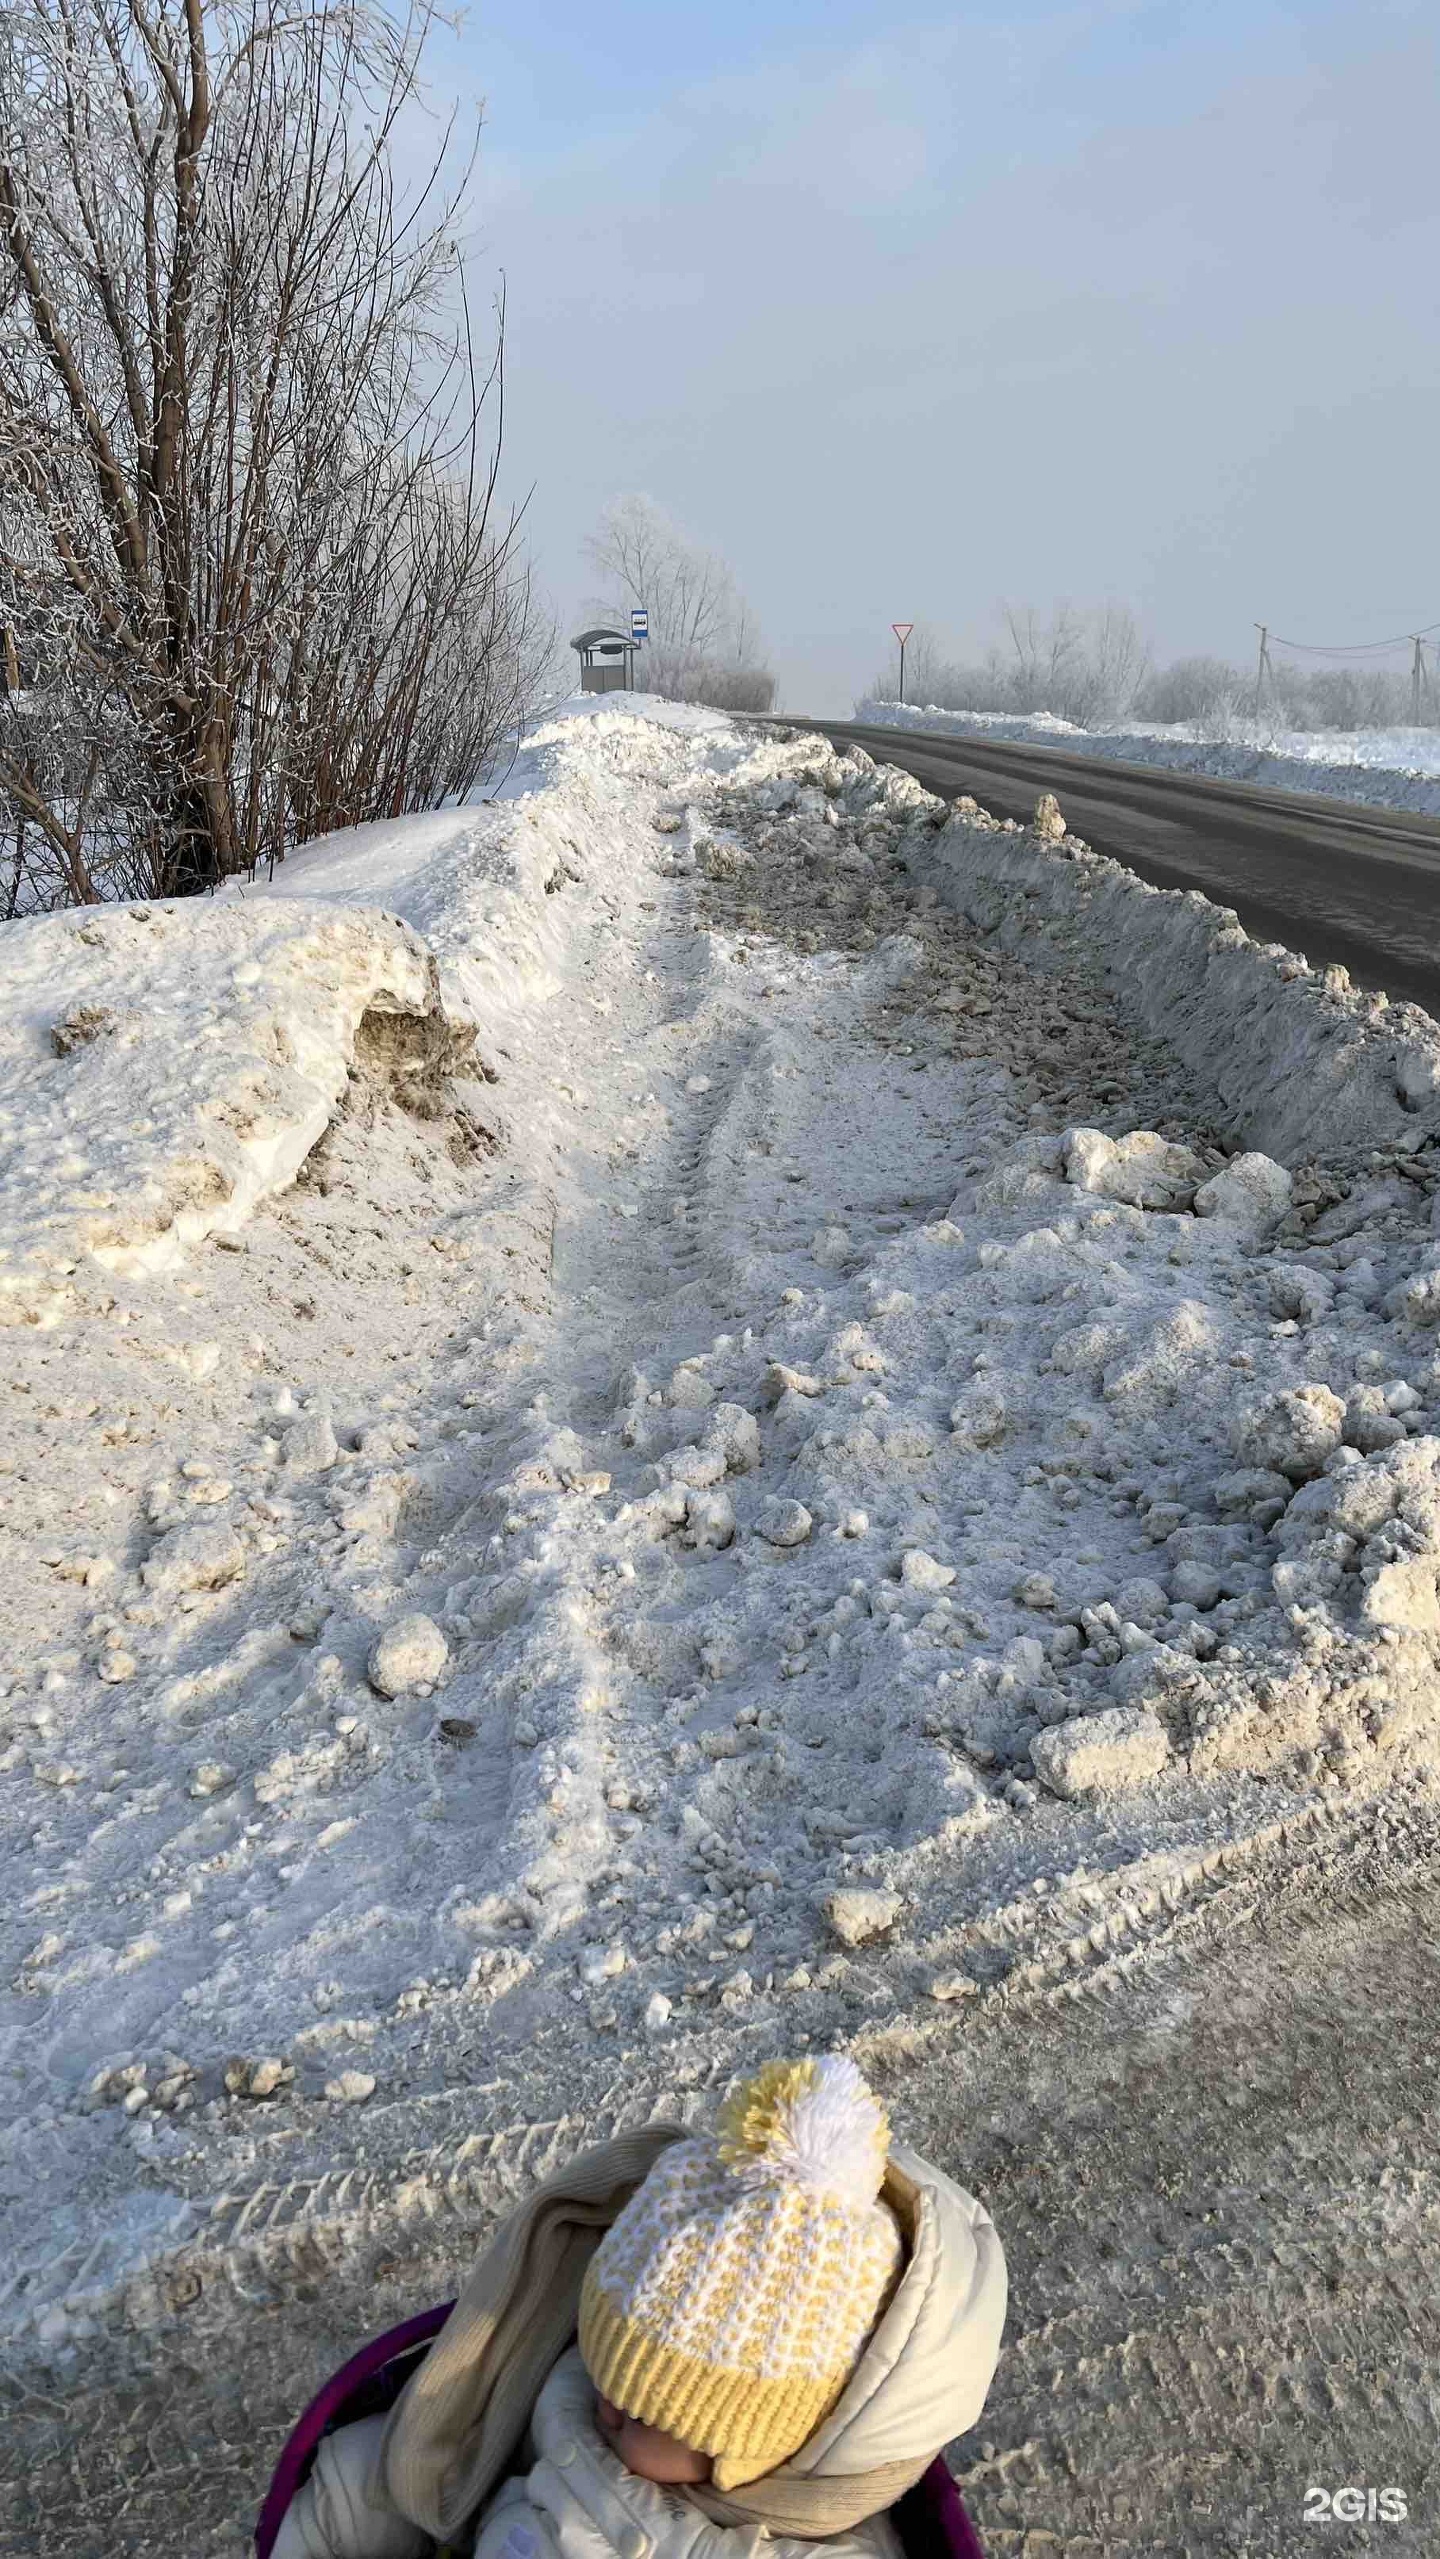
(1387, 768)
(167, 1067)
(1301, 1062)
(711, 1528)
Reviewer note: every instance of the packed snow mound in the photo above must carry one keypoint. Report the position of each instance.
(1385, 768)
(875, 1466)
(165, 1067)
(687, 719)
(1302, 1062)
(493, 888)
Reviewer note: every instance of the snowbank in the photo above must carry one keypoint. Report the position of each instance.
(166, 1067)
(491, 888)
(686, 719)
(819, 1424)
(1302, 1064)
(1386, 768)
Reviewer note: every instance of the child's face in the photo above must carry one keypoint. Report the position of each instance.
(648, 2451)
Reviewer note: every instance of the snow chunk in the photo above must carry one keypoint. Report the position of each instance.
(919, 1571)
(736, 1434)
(1142, 1169)
(978, 1419)
(1415, 1300)
(690, 1391)
(1252, 1492)
(1292, 1431)
(1195, 1586)
(410, 1654)
(1404, 1594)
(858, 1914)
(310, 1445)
(1121, 1746)
(709, 1520)
(784, 1523)
(1160, 1674)
(599, 1964)
(1369, 1423)
(351, 2087)
(1142, 1600)
(1253, 1191)
(200, 1558)
(780, 1380)
(1304, 1295)
(1165, 1363)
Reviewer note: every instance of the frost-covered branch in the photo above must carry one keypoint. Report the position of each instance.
(249, 543)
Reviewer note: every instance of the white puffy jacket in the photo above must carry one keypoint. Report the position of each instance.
(580, 2502)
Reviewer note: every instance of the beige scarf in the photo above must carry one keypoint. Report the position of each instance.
(458, 2425)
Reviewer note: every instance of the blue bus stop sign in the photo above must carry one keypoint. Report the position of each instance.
(640, 625)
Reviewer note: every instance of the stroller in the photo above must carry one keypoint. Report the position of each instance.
(930, 2519)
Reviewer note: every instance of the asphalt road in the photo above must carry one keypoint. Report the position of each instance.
(1329, 878)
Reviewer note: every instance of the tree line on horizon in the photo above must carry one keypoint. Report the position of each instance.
(1094, 667)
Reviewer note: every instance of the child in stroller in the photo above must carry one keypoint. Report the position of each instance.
(689, 2347)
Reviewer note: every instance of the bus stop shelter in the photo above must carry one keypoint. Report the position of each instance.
(606, 660)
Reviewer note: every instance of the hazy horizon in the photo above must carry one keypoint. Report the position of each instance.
(910, 319)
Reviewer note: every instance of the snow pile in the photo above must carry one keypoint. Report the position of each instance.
(686, 719)
(1388, 768)
(166, 1067)
(820, 1425)
(1300, 1061)
(492, 889)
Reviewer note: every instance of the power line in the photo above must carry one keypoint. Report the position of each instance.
(1312, 649)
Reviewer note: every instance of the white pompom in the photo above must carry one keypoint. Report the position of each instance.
(831, 2134)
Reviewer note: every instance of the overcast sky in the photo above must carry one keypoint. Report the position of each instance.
(909, 313)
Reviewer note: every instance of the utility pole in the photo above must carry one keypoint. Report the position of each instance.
(902, 631)
(1417, 682)
(1263, 669)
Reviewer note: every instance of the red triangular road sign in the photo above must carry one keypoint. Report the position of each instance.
(902, 630)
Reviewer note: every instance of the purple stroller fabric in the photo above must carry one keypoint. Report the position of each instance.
(369, 2383)
(930, 2519)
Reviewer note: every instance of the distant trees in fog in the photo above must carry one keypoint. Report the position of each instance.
(1094, 667)
(703, 645)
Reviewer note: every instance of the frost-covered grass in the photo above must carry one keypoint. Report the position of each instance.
(777, 1375)
(1388, 768)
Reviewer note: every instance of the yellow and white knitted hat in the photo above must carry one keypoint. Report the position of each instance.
(730, 2300)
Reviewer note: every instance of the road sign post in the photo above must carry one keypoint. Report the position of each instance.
(902, 631)
(639, 633)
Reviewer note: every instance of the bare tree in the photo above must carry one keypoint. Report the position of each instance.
(249, 543)
(1201, 689)
(702, 645)
(1116, 661)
